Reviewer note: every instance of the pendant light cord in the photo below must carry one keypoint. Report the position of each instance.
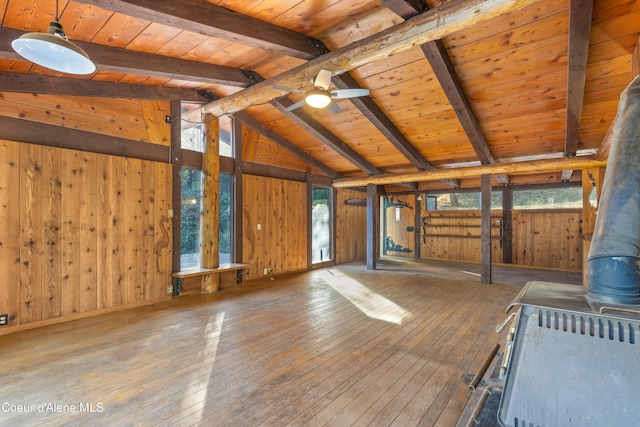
(57, 17)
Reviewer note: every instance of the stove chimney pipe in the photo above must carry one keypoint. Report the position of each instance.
(614, 258)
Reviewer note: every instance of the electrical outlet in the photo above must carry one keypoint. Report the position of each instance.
(4, 319)
(266, 271)
(169, 289)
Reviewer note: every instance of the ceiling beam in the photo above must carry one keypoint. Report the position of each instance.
(202, 17)
(291, 148)
(119, 60)
(580, 14)
(62, 137)
(376, 116)
(28, 83)
(473, 172)
(431, 25)
(436, 54)
(405, 8)
(307, 122)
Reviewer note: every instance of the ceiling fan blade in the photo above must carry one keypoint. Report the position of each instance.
(296, 105)
(286, 89)
(334, 108)
(349, 93)
(323, 80)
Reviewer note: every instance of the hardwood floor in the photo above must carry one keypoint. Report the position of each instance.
(339, 346)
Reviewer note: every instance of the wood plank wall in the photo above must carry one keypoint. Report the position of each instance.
(279, 207)
(351, 227)
(80, 232)
(541, 238)
(548, 238)
(455, 235)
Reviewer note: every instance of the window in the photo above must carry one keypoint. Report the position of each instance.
(192, 137)
(320, 225)
(226, 219)
(190, 218)
(461, 201)
(225, 146)
(549, 198)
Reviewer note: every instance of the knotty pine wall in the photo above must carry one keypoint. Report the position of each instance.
(548, 238)
(80, 232)
(351, 227)
(455, 235)
(279, 207)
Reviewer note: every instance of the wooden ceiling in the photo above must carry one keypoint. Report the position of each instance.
(453, 84)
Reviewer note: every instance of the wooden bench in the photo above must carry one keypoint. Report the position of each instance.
(210, 277)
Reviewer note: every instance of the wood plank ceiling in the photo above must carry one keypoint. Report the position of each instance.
(453, 84)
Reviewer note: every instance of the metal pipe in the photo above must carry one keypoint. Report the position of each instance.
(476, 380)
(614, 257)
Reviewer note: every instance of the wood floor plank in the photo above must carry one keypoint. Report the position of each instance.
(342, 346)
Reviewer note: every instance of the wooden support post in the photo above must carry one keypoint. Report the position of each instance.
(237, 213)
(592, 179)
(507, 225)
(372, 229)
(176, 199)
(485, 232)
(211, 203)
(417, 226)
(309, 222)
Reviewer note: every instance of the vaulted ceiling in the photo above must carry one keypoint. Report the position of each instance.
(453, 85)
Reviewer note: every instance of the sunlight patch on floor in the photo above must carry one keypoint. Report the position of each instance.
(370, 303)
(196, 394)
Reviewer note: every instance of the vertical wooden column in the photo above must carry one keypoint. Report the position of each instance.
(237, 212)
(211, 203)
(591, 179)
(309, 222)
(417, 222)
(176, 163)
(507, 225)
(485, 232)
(372, 229)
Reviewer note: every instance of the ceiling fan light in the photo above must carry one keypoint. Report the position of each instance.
(54, 51)
(318, 98)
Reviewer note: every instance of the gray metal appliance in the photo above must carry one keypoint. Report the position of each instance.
(574, 354)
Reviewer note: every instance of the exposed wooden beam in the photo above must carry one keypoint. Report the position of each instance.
(203, 17)
(436, 54)
(29, 83)
(405, 8)
(473, 172)
(375, 115)
(57, 136)
(431, 25)
(282, 142)
(307, 122)
(125, 61)
(580, 13)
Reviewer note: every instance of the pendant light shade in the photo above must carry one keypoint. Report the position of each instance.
(53, 50)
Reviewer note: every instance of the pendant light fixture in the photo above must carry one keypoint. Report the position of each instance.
(53, 50)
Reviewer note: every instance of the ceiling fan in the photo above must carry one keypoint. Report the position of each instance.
(320, 96)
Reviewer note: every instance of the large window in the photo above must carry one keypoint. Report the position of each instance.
(226, 218)
(190, 221)
(193, 139)
(320, 225)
